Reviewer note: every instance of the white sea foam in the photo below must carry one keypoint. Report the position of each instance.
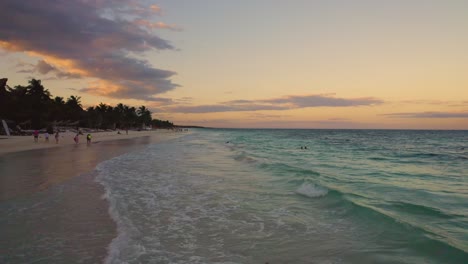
(196, 211)
(312, 190)
(244, 157)
(148, 201)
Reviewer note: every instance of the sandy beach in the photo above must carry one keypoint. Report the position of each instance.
(52, 209)
(21, 143)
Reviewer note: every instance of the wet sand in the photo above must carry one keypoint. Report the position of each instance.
(51, 208)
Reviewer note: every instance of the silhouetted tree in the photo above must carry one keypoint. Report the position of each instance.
(4, 98)
(58, 109)
(144, 116)
(32, 107)
(39, 101)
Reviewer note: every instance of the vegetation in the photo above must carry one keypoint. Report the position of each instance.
(32, 107)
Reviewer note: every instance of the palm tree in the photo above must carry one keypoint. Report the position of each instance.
(74, 107)
(130, 115)
(37, 91)
(37, 102)
(144, 115)
(58, 109)
(59, 100)
(101, 110)
(33, 107)
(74, 101)
(4, 98)
(119, 112)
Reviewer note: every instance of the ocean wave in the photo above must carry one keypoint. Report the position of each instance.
(244, 157)
(312, 190)
(285, 168)
(417, 209)
(399, 215)
(432, 156)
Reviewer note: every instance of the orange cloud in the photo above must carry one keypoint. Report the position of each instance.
(10, 46)
(155, 8)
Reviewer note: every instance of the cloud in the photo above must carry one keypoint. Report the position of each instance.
(450, 103)
(185, 99)
(283, 103)
(155, 25)
(125, 89)
(323, 100)
(260, 116)
(91, 39)
(429, 115)
(155, 8)
(223, 108)
(45, 68)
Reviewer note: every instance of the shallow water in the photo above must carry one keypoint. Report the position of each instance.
(51, 209)
(254, 196)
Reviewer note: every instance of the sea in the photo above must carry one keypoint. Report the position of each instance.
(291, 196)
(240, 196)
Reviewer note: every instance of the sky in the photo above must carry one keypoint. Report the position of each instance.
(364, 64)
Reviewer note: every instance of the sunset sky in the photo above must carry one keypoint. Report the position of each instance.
(249, 63)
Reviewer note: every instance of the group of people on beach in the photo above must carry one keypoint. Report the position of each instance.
(76, 138)
(46, 136)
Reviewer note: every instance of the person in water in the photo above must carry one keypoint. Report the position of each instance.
(88, 139)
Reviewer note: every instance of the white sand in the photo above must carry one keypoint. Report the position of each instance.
(22, 143)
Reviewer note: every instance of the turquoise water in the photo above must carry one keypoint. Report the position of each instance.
(254, 196)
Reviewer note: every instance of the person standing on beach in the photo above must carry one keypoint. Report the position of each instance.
(88, 139)
(36, 135)
(57, 135)
(46, 136)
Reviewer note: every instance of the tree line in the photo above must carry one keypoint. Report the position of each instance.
(33, 107)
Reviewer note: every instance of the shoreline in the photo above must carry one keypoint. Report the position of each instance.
(52, 208)
(14, 144)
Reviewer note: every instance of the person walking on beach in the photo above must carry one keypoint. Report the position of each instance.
(88, 139)
(77, 138)
(36, 135)
(57, 135)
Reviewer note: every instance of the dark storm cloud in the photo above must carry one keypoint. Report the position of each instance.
(283, 103)
(95, 36)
